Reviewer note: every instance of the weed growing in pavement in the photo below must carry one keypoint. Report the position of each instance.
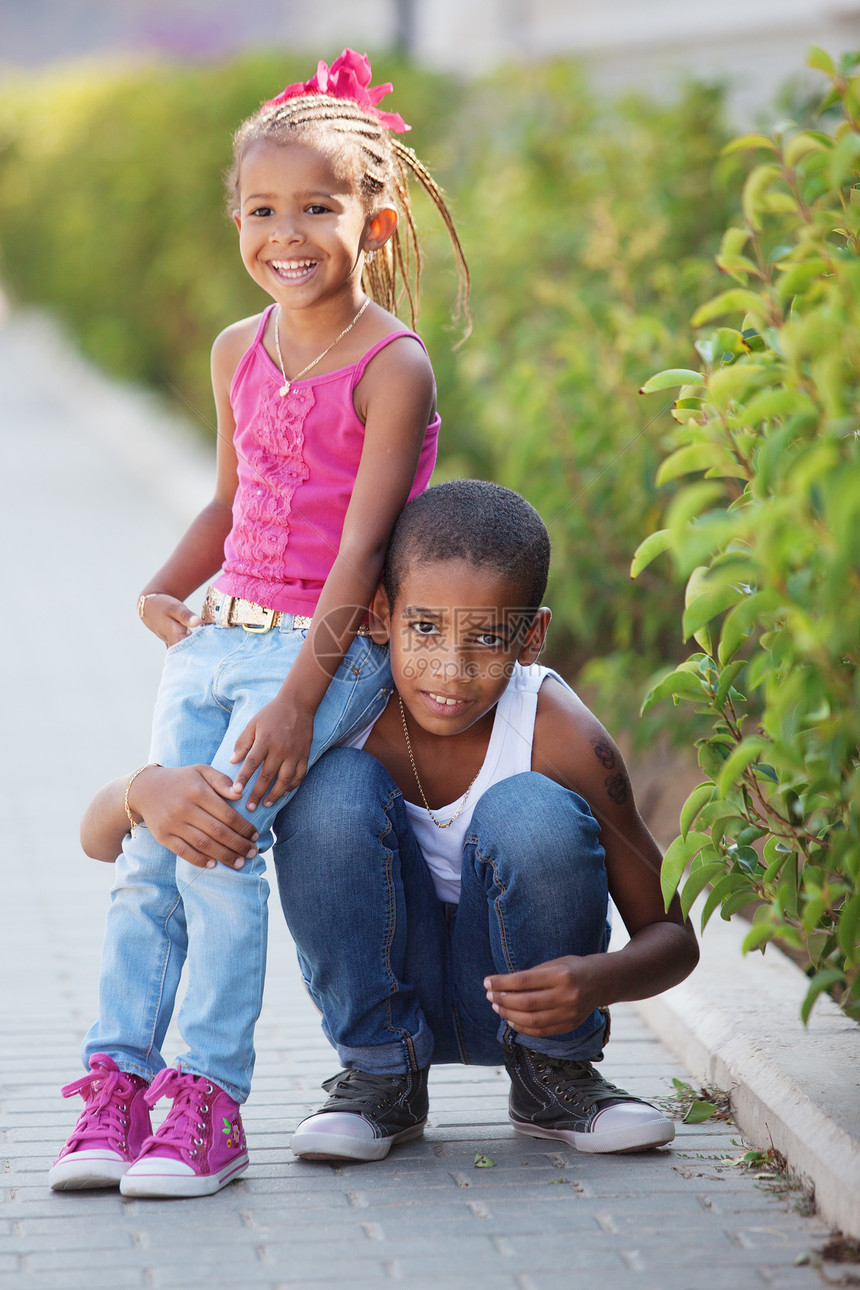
(695, 1106)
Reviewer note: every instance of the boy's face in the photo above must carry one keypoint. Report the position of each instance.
(455, 632)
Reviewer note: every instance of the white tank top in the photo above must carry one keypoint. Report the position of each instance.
(509, 752)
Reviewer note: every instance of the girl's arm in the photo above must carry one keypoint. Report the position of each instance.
(572, 748)
(187, 810)
(199, 553)
(398, 398)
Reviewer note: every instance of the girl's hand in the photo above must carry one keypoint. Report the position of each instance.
(188, 811)
(278, 741)
(549, 999)
(170, 619)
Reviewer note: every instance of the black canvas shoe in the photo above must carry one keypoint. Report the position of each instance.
(365, 1115)
(568, 1100)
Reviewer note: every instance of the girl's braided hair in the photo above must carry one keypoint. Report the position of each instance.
(380, 168)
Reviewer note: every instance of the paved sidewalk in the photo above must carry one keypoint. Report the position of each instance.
(87, 517)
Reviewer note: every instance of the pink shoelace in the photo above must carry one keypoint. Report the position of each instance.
(184, 1123)
(107, 1092)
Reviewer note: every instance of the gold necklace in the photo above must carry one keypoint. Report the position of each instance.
(440, 824)
(285, 388)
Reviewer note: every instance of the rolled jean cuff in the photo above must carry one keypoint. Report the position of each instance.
(584, 1045)
(411, 1052)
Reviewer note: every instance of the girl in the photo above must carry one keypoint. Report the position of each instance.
(327, 424)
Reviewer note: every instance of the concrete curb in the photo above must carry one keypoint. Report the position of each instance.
(735, 1023)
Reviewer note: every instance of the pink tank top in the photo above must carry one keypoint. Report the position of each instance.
(298, 458)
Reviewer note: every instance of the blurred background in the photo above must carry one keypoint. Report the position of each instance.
(580, 145)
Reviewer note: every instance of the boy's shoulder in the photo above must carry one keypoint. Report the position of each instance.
(572, 746)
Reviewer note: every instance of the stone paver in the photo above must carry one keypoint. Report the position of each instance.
(86, 520)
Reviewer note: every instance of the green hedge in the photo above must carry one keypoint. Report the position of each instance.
(590, 230)
(765, 527)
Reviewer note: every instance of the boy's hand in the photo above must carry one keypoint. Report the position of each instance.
(278, 741)
(170, 619)
(549, 999)
(187, 811)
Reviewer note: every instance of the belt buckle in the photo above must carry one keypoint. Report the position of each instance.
(258, 629)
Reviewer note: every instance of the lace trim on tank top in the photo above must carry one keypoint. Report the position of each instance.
(277, 468)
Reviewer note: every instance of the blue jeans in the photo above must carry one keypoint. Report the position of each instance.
(164, 910)
(397, 974)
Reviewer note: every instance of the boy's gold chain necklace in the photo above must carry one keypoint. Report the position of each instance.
(440, 824)
(285, 388)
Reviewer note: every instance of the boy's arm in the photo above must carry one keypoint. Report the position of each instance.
(199, 553)
(187, 810)
(572, 748)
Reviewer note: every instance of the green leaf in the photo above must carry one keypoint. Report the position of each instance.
(671, 377)
(720, 892)
(801, 144)
(735, 300)
(846, 931)
(714, 601)
(693, 805)
(653, 545)
(758, 935)
(699, 1112)
(748, 141)
(726, 681)
(758, 183)
(820, 982)
(745, 753)
(677, 857)
(483, 1162)
(821, 61)
(698, 881)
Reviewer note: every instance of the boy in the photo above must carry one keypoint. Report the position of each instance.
(445, 878)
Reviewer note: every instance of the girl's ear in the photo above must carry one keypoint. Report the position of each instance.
(237, 220)
(379, 615)
(380, 229)
(535, 637)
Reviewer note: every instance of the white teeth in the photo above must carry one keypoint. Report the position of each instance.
(449, 703)
(292, 266)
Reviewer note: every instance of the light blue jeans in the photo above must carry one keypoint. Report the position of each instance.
(165, 911)
(396, 973)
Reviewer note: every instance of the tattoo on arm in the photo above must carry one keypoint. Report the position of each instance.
(616, 788)
(616, 785)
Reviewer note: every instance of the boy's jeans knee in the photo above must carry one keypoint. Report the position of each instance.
(533, 889)
(344, 860)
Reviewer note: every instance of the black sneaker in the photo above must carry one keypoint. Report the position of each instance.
(365, 1115)
(568, 1100)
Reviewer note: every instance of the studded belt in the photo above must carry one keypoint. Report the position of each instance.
(233, 611)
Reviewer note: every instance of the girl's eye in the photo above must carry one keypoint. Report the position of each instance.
(490, 640)
(262, 211)
(316, 209)
(424, 628)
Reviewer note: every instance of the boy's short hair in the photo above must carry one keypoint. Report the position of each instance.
(471, 519)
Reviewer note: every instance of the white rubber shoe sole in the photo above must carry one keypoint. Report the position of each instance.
(92, 1167)
(155, 1177)
(310, 1145)
(632, 1137)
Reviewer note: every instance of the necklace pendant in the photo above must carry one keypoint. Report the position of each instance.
(285, 389)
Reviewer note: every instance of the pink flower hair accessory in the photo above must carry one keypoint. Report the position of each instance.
(347, 78)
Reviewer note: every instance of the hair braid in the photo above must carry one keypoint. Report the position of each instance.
(380, 166)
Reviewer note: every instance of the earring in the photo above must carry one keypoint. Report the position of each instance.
(368, 257)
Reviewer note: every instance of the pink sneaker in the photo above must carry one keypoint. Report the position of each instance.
(199, 1148)
(110, 1130)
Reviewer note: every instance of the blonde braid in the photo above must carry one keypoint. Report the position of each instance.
(381, 165)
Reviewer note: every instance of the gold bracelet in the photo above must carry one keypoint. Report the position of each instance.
(132, 821)
(141, 605)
